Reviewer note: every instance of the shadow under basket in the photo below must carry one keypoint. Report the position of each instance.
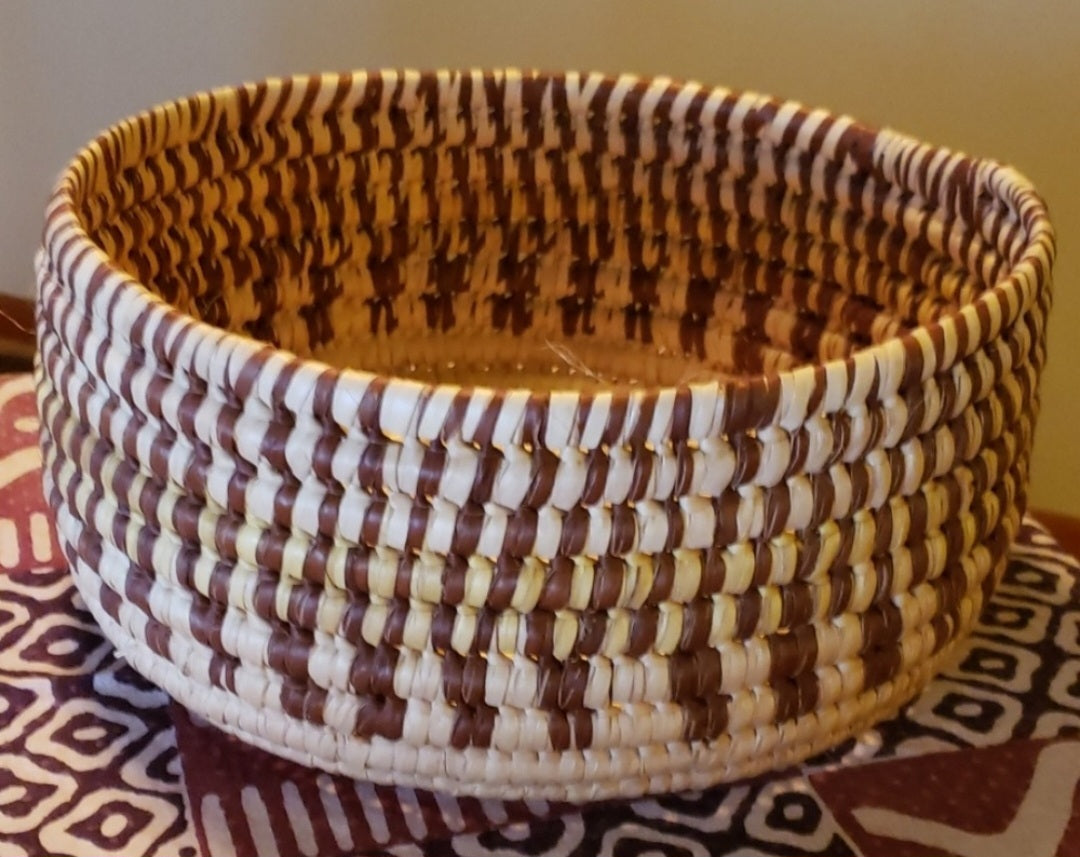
(536, 435)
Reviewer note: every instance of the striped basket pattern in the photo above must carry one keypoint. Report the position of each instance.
(545, 435)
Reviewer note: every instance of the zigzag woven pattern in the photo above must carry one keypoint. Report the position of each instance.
(546, 435)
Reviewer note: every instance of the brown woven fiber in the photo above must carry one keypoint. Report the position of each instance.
(548, 435)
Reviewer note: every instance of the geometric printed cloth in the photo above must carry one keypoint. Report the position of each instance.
(96, 761)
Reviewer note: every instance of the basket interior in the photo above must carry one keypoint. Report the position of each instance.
(499, 230)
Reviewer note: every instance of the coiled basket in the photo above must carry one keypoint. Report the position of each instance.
(535, 435)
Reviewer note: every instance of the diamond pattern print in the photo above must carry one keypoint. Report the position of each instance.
(29, 793)
(86, 734)
(62, 639)
(81, 772)
(112, 822)
(22, 701)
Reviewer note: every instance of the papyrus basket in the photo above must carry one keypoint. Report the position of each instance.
(546, 435)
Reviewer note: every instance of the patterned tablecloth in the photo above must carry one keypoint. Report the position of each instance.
(96, 761)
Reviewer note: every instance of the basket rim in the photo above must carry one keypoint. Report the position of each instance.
(121, 301)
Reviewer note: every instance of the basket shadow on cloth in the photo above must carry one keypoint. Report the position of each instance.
(521, 434)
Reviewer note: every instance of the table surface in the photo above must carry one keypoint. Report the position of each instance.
(96, 761)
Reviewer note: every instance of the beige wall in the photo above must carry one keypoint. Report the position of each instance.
(997, 79)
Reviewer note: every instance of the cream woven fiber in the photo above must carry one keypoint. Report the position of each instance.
(513, 434)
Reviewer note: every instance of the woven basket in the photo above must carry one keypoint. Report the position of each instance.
(515, 434)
